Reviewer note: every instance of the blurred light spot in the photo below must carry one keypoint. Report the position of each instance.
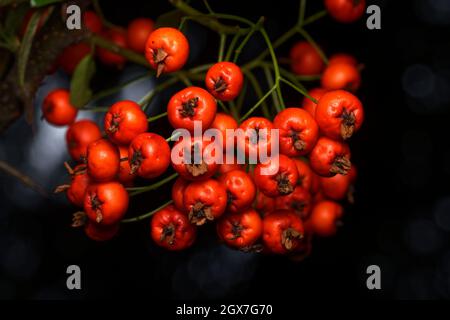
(442, 213)
(418, 81)
(423, 237)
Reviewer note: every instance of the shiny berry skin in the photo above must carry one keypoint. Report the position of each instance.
(149, 155)
(339, 114)
(240, 230)
(305, 60)
(298, 131)
(343, 58)
(330, 157)
(124, 121)
(167, 50)
(282, 231)
(99, 232)
(305, 174)
(299, 201)
(224, 80)
(335, 188)
(325, 217)
(79, 135)
(264, 204)
(204, 201)
(106, 203)
(109, 58)
(262, 141)
(240, 189)
(138, 32)
(341, 76)
(57, 109)
(308, 104)
(92, 21)
(72, 55)
(276, 181)
(227, 167)
(78, 186)
(171, 229)
(178, 192)
(189, 105)
(125, 176)
(222, 122)
(103, 160)
(187, 168)
(345, 11)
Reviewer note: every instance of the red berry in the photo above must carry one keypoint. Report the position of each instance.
(79, 135)
(224, 81)
(57, 108)
(103, 160)
(240, 230)
(138, 32)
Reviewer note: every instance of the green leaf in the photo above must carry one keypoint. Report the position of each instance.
(25, 46)
(169, 19)
(42, 3)
(80, 92)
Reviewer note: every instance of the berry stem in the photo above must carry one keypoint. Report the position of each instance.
(303, 92)
(146, 215)
(258, 91)
(159, 116)
(301, 13)
(232, 46)
(138, 190)
(254, 28)
(223, 39)
(260, 101)
(313, 43)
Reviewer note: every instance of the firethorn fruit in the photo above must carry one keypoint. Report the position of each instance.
(222, 122)
(79, 135)
(227, 167)
(109, 58)
(167, 50)
(341, 76)
(325, 218)
(298, 201)
(103, 160)
(171, 229)
(308, 104)
(80, 181)
(330, 157)
(125, 176)
(335, 188)
(345, 11)
(253, 145)
(240, 189)
(178, 191)
(92, 21)
(189, 105)
(343, 58)
(298, 131)
(57, 108)
(186, 165)
(124, 121)
(149, 155)
(106, 203)
(204, 201)
(98, 232)
(305, 175)
(224, 80)
(339, 114)
(305, 60)
(280, 177)
(282, 231)
(137, 33)
(241, 229)
(72, 55)
(264, 204)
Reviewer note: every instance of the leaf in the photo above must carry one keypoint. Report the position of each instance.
(80, 92)
(42, 3)
(169, 19)
(25, 46)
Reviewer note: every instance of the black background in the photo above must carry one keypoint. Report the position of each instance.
(398, 221)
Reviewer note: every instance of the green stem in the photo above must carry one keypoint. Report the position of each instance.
(313, 43)
(240, 99)
(301, 14)
(208, 7)
(303, 92)
(271, 83)
(99, 12)
(255, 28)
(260, 101)
(173, 137)
(258, 91)
(183, 77)
(111, 46)
(98, 109)
(159, 116)
(223, 39)
(138, 190)
(231, 46)
(314, 17)
(147, 215)
(223, 106)
(234, 111)
(145, 101)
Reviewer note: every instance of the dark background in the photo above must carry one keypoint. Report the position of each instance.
(400, 221)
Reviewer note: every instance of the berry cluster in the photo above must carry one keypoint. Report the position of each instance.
(253, 211)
